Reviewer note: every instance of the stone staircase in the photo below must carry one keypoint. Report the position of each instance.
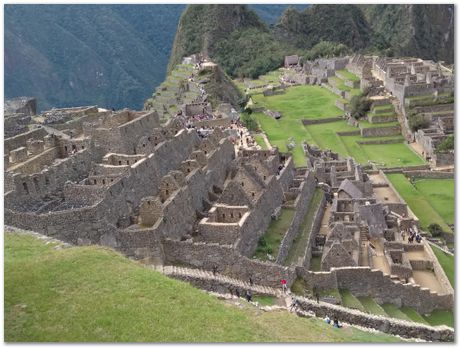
(363, 253)
(195, 274)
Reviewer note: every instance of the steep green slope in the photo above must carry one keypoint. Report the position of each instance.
(93, 294)
(336, 23)
(68, 55)
(423, 30)
(232, 35)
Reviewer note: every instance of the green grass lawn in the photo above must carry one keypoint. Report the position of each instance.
(302, 102)
(438, 317)
(348, 75)
(370, 306)
(413, 315)
(274, 234)
(339, 83)
(260, 141)
(419, 202)
(300, 242)
(441, 195)
(315, 263)
(309, 102)
(394, 311)
(447, 263)
(93, 294)
(366, 124)
(350, 301)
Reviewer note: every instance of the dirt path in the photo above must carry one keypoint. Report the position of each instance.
(378, 258)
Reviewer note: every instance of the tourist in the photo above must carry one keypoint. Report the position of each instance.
(337, 324)
(327, 319)
(251, 281)
(294, 304)
(249, 295)
(418, 238)
(316, 294)
(214, 270)
(237, 292)
(284, 285)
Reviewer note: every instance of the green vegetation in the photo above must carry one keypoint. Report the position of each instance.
(426, 198)
(350, 301)
(93, 294)
(348, 75)
(370, 306)
(447, 144)
(300, 242)
(359, 106)
(413, 315)
(394, 311)
(312, 102)
(315, 263)
(439, 317)
(260, 141)
(326, 49)
(447, 263)
(264, 300)
(270, 242)
(417, 122)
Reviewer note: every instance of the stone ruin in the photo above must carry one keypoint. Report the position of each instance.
(168, 195)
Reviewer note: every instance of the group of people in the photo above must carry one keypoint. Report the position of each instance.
(334, 322)
(414, 235)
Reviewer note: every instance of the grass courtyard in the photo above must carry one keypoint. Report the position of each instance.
(94, 294)
(431, 200)
(314, 102)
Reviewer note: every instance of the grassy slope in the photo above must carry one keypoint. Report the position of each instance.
(441, 195)
(275, 233)
(418, 202)
(447, 263)
(94, 294)
(299, 244)
(311, 102)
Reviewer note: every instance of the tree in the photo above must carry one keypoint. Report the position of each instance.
(435, 230)
(359, 106)
(417, 122)
(446, 145)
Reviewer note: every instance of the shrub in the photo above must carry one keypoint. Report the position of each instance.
(446, 145)
(418, 122)
(359, 106)
(435, 230)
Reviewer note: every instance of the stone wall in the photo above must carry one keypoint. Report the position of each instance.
(444, 159)
(385, 290)
(228, 261)
(380, 131)
(302, 204)
(384, 324)
(307, 122)
(314, 231)
(21, 139)
(429, 174)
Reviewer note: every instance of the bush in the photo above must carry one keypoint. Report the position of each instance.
(446, 145)
(249, 122)
(327, 49)
(418, 122)
(435, 230)
(359, 106)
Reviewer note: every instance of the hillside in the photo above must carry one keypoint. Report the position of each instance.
(234, 37)
(93, 294)
(425, 31)
(69, 55)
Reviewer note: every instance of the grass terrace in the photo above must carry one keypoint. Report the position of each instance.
(271, 240)
(348, 75)
(300, 242)
(260, 141)
(434, 195)
(94, 294)
(447, 263)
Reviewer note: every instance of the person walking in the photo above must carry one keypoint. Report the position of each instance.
(284, 285)
(249, 295)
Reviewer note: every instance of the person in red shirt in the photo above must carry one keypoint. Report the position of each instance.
(283, 285)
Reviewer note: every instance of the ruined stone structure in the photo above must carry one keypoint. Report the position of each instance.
(170, 192)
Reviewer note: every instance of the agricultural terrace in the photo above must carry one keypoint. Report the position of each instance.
(431, 200)
(314, 102)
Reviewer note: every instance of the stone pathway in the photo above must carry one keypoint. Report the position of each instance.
(182, 272)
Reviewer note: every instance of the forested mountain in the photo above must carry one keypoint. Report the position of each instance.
(110, 55)
(115, 55)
